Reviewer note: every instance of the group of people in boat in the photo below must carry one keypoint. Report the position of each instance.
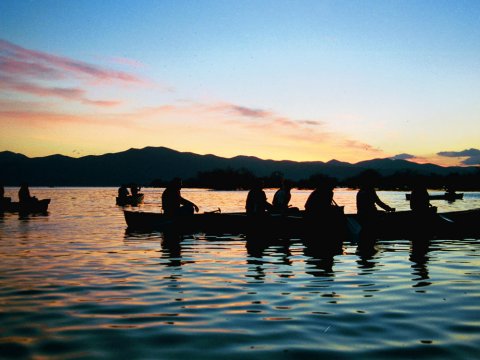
(24, 196)
(319, 203)
(123, 192)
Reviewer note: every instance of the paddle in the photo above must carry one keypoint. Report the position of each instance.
(443, 217)
(218, 211)
(354, 227)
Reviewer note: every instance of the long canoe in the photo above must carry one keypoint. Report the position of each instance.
(394, 225)
(38, 206)
(446, 196)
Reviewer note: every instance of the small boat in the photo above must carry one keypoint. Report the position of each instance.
(447, 196)
(36, 206)
(132, 200)
(393, 225)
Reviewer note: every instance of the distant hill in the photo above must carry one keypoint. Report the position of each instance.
(144, 165)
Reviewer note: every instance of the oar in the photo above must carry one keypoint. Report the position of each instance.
(443, 217)
(354, 227)
(218, 211)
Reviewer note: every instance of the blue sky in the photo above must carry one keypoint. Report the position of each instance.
(349, 80)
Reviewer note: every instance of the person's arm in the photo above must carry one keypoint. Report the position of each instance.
(382, 204)
(184, 201)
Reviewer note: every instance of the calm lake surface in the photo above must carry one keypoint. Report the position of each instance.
(74, 284)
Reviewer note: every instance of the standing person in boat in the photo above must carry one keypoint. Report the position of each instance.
(24, 194)
(281, 199)
(257, 203)
(173, 203)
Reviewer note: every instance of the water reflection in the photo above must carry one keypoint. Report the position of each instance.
(259, 247)
(419, 250)
(172, 249)
(367, 253)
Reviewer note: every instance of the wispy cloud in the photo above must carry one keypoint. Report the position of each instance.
(42, 74)
(472, 156)
(11, 54)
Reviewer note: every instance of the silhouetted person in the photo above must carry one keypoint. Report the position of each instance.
(3, 200)
(134, 189)
(367, 199)
(424, 219)
(450, 191)
(320, 201)
(325, 222)
(123, 192)
(257, 203)
(368, 214)
(420, 200)
(24, 194)
(281, 199)
(173, 203)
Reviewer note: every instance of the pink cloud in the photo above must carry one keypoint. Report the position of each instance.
(12, 53)
(37, 73)
(67, 93)
(9, 83)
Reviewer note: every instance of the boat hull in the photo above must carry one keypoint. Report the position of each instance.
(395, 225)
(39, 206)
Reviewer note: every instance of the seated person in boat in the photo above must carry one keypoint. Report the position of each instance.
(134, 189)
(420, 200)
(320, 202)
(3, 200)
(281, 199)
(173, 203)
(123, 192)
(257, 203)
(367, 199)
(24, 194)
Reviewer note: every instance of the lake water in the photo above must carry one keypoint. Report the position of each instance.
(75, 285)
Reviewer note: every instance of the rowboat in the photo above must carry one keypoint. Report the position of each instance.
(36, 206)
(446, 196)
(394, 225)
(132, 200)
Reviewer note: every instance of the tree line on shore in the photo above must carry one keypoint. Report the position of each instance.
(232, 179)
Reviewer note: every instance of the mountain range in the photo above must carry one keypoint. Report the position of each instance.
(145, 165)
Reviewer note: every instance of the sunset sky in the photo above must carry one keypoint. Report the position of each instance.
(298, 80)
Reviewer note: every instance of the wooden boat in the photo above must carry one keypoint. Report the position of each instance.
(39, 206)
(446, 196)
(394, 225)
(132, 200)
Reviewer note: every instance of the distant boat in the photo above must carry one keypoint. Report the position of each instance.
(446, 196)
(39, 206)
(132, 200)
